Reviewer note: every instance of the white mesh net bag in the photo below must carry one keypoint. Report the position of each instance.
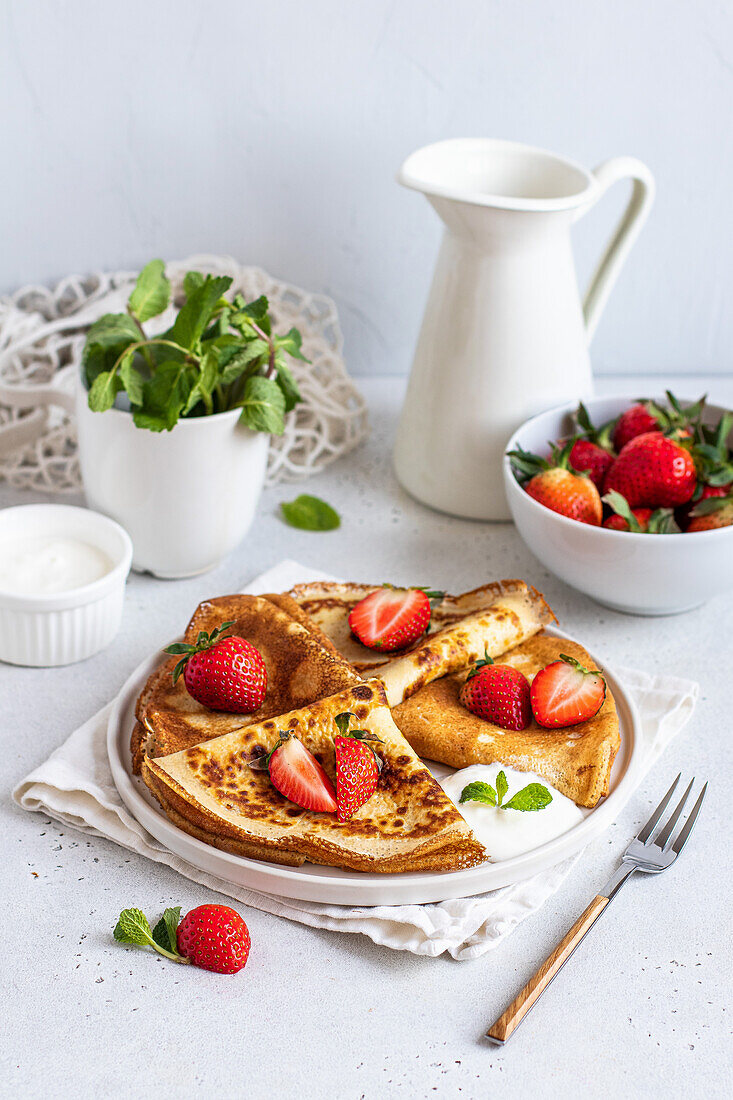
(42, 331)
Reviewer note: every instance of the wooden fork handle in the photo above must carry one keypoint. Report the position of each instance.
(520, 1006)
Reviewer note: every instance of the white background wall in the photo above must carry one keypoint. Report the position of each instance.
(272, 131)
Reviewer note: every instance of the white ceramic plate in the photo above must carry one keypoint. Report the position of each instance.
(312, 882)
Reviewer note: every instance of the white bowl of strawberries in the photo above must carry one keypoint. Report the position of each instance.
(587, 485)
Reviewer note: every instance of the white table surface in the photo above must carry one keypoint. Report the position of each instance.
(639, 1011)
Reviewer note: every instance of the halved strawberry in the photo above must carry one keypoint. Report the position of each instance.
(357, 767)
(297, 775)
(391, 618)
(565, 693)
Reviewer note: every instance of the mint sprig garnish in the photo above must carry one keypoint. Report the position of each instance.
(133, 927)
(532, 797)
(219, 354)
(310, 514)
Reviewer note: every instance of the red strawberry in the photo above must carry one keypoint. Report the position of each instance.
(715, 512)
(222, 673)
(653, 471)
(499, 694)
(638, 520)
(214, 937)
(555, 486)
(357, 767)
(564, 693)
(703, 492)
(391, 618)
(588, 457)
(297, 775)
(635, 421)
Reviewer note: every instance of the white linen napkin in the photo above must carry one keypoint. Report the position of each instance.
(75, 786)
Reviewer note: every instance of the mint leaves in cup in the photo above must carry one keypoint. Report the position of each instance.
(219, 354)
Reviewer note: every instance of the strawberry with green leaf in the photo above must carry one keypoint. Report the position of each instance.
(212, 937)
(639, 520)
(222, 672)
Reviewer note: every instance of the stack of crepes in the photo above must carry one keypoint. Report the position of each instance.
(196, 761)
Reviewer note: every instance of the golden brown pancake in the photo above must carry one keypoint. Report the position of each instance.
(300, 669)
(409, 824)
(497, 615)
(576, 760)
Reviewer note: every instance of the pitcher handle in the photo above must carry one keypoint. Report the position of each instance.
(627, 230)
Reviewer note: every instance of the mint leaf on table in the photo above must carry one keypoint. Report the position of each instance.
(501, 787)
(310, 514)
(133, 927)
(152, 292)
(263, 406)
(478, 792)
(532, 797)
(165, 930)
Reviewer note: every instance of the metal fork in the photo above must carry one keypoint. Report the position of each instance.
(646, 852)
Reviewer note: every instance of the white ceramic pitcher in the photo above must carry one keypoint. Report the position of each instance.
(505, 334)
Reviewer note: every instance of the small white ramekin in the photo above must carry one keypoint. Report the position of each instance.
(65, 627)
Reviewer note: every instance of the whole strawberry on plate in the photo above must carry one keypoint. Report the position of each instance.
(357, 766)
(653, 471)
(555, 485)
(296, 774)
(565, 693)
(498, 694)
(222, 673)
(392, 618)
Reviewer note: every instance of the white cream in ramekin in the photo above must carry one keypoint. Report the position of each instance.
(79, 560)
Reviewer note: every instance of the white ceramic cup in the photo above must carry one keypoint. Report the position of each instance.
(187, 497)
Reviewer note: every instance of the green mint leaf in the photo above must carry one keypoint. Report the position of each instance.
(152, 292)
(263, 406)
(237, 358)
(532, 797)
(257, 310)
(478, 792)
(291, 343)
(104, 389)
(205, 383)
(165, 930)
(192, 280)
(287, 384)
(310, 514)
(131, 379)
(165, 396)
(195, 315)
(501, 787)
(133, 927)
(106, 340)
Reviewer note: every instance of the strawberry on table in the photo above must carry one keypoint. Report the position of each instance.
(552, 484)
(391, 618)
(297, 775)
(498, 694)
(214, 937)
(565, 693)
(653, 471)
(222, 673)
(357, 767)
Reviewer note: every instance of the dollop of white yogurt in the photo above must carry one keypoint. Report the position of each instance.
(44, 565)
(507, 833)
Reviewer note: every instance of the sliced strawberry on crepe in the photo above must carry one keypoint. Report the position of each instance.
(297, 775)
(565, 693)
(392, 618)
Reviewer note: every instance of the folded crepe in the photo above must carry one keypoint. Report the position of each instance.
(301, 663)
(576, 760)
(409, 824)
(490, 619)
